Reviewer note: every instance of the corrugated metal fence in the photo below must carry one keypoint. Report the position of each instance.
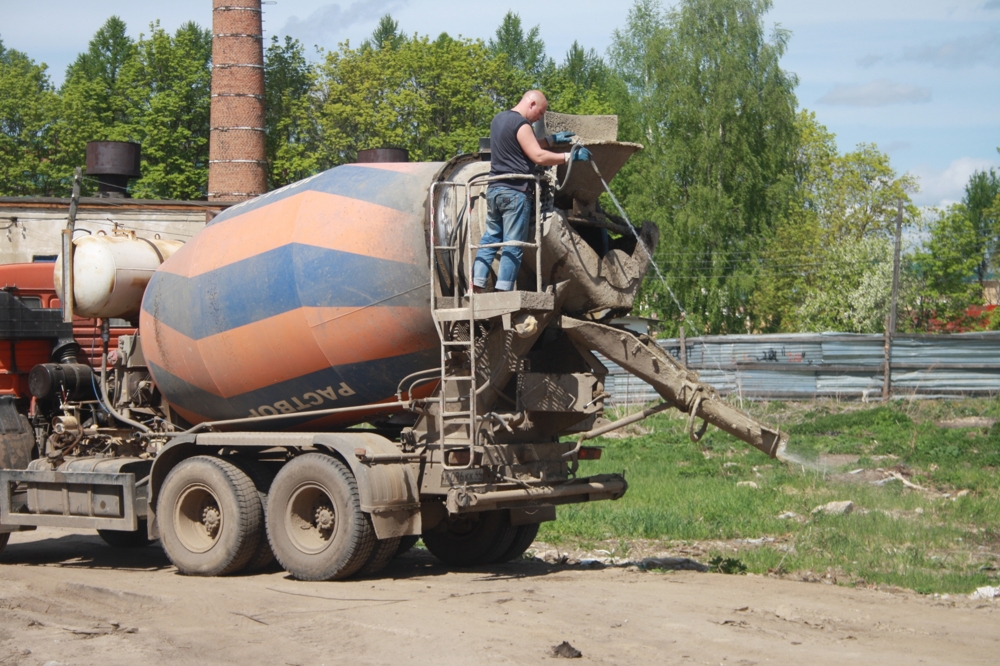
(809, 365)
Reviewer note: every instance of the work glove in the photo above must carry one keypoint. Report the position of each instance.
(561, 137)
(581, 154)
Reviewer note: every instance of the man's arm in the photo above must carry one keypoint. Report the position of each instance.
(529, 144)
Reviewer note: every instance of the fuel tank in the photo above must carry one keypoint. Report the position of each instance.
(110, 272)
(310, 297)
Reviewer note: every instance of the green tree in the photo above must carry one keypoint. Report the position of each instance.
(982, 194)
(524, 52)
(790, 259)
(946, 268)
(582, 84)
(851, 288)
(718, 117)
(292, 132)
(632, 57)
(385, 35)
(836, 199)
(434, 99)
(862, 194)
(96, 103)
(168, 89)
(29, 107)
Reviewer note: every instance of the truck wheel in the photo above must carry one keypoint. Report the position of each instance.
(406, 543)
(262, 478)
(314, 519)
(382, 554)
(471, 540)
(522, 539)
(3, 540)
(210, 517)
(119, 539)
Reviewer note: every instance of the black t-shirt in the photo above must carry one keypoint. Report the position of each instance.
(506, 155)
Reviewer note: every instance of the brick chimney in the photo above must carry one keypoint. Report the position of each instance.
(237, 166)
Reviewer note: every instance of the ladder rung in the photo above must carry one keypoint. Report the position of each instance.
(445, 247)
(457, 343)
(452, 378)
(505, 244)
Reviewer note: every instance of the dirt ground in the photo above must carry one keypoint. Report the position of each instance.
(66, 598)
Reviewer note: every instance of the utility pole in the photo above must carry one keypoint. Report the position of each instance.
(890, 327)
(67, 249)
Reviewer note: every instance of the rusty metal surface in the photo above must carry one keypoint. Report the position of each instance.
(114, 158)
(383, 155)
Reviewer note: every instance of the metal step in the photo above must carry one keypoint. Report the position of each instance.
(452, 314)
(499, 303)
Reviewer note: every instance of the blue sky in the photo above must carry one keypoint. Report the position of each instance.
(919, 78)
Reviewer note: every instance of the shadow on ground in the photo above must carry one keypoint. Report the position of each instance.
(82, 551)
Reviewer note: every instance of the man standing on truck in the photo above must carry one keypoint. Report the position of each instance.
(514, 150)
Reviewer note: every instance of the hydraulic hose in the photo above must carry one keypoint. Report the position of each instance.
(569, 165)
(103, 397)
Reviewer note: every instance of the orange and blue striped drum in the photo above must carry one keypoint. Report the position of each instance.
(310, 297)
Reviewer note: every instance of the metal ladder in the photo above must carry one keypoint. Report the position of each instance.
(461, 389)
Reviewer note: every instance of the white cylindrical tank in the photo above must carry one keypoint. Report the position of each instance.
(110, 273)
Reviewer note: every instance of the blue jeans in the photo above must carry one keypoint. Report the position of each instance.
(508, 215)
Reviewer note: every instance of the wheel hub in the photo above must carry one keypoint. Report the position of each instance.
(324, 518)
(211, 518)
(311, 518)
(198, 518)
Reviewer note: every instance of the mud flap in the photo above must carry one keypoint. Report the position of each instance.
(17, 438)
(16, 441)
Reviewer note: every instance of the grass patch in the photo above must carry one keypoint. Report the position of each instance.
(930, 541)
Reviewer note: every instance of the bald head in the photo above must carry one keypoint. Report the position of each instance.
(532, 105)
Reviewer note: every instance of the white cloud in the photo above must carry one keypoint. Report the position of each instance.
(880, 92)
(963, 52)
(944, 187)
(896, 146)
(329, 21)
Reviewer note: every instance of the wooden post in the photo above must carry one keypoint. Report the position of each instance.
(684, 353)
(67, 249)
(890, 323)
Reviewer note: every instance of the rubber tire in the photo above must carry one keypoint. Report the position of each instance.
(459, 543)
(4, 537)
(383, 553)
(119, 539)
(353, 537)
(262, 478)
(524, 537)
(406, 543)
(239, 504)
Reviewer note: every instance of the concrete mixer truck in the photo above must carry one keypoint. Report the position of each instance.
(314, 381)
